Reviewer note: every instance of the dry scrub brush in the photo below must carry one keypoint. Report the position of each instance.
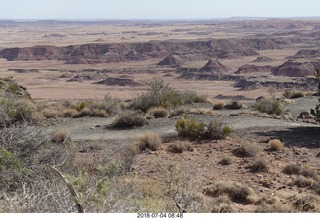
(159, 94)
(148, 141)
(128, 119)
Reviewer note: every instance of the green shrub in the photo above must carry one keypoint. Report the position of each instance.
(190, 128)
(269, 106)
(128, 119)
(159, 94)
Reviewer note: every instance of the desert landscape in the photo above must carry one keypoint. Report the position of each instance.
(160, 116)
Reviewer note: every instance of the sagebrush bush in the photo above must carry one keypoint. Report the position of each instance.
(188, 127)
(129, 119)
(191, 128)
(269, 106)
(181, 146)
(148, 141)
(275, 145)
(159, 94)
(158, 112)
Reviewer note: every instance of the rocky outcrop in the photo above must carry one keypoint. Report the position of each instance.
(105, 53)
(262, 59)
(171, 60)
(294, 69)
(306, 53)
(119, 82)
(213, 66)
(253, 69)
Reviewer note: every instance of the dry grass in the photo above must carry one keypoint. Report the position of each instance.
(236, 192)
(158, 112)
(310, 173)
(98, 113)
(275, 145)
(247, 150)
(60, 136)
(302, 182)
(222, 205)
(148, 141)
(292, 169)
(180, 147)
(202, 111)
(233, 105)
(305, 202)
(218, 106)
(128, 119)
(259, 165)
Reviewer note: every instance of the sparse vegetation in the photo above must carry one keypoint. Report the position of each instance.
(316, 111)
(158, 112)
(305, 202)
(128, 119)
(225, 161)
(236, 192)
(275, 145)
(60, 136)
(269, 106)
(259, 165)
(292, 169)
(148, 141)
(247, 150)
(191, 128)
(159, 94)
(181, 146)
(302, 182)
(218, 106)
(289, 94)
(233, 105)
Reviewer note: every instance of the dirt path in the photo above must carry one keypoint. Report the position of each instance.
(89, 128)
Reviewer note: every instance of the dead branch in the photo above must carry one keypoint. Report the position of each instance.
(70, 188)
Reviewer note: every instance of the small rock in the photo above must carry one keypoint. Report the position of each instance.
(93, 128)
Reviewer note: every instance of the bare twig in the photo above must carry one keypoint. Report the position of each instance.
(71, 190)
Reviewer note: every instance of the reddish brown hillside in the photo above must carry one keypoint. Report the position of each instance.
(171, 60)
(213, 66)
(294, 69)
(253, 69)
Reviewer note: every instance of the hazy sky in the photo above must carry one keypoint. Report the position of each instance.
(155, 9)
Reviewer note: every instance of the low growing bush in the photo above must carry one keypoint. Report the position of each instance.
(269, 106)
(128, 119)
(148, 141)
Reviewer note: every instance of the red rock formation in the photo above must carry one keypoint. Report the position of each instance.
(213, 66)
(294, 69)
(253, 68)
(171, 60)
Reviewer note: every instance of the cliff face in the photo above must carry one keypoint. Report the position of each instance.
(100, 53)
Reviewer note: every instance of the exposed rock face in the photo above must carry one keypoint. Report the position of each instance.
(104, 53)
(262, 59)
(213, 66)
(119, 82)
(171, 60)
(294, 69)
(307, 53)
(253, 68)
(246, 84)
